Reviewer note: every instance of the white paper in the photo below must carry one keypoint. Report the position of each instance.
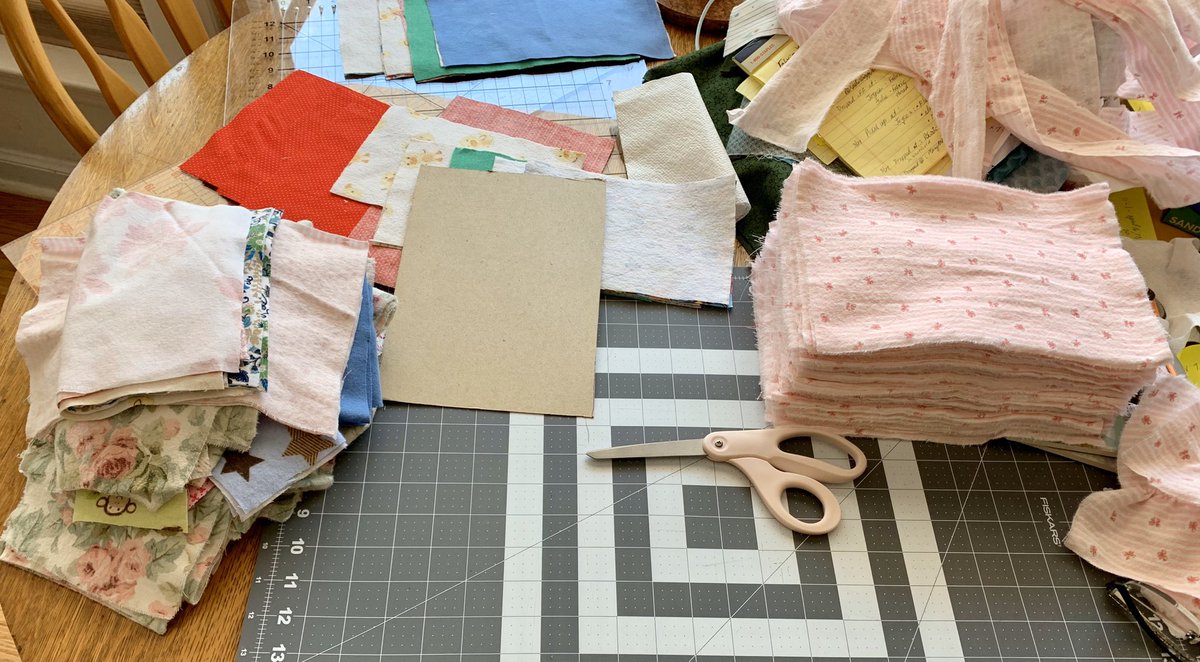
(750, 20)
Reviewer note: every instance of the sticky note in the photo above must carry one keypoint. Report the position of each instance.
(822, 150)
(1189, 357)
(771, 66)
(881, 125)
(1139, 105)
(750, 88)
(121, 511)
(1133, 213)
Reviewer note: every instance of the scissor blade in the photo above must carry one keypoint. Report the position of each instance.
(683, 447)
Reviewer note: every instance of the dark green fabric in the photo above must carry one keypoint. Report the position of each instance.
(718, 78)
(465, 158)
(1015, 159)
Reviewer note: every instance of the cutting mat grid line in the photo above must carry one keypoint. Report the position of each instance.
(309, 33)
(493, 537)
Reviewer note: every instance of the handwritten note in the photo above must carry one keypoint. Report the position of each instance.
(750, 20)
(1133, 213)
(881, 125)
(1189, 357)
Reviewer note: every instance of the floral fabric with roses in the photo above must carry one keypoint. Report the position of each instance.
(147, 453)
(141, 573)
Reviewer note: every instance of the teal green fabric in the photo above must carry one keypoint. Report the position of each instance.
(427, 64)
(1015, 159)
(718, 78)
(465, 158)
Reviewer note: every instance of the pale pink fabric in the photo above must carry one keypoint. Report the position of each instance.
(157, 294)
(1149, 530)
(943, 309)
(316, 294)
(959, 53)
(40, 330)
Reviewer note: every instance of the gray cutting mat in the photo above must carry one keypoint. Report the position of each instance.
(470, 535)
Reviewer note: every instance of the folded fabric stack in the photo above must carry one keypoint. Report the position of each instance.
(169, 352)
(1147, 529)
(437, 39)
(941, 309)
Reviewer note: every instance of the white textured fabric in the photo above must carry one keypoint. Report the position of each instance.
(393, 34)
(358, 32)
(369, 174)
(667, 242)
(40, 330)
(1172, 270)
(666, 135)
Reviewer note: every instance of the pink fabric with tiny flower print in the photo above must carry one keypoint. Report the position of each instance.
(1149, 529)
(158, 294)
(965, 331)
(986, 282)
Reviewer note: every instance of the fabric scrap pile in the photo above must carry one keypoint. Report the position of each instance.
(1147, 529)
(438, 39)
(174, 349)
(941, 309)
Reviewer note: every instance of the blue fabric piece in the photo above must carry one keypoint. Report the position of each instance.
(361, 390)
(494, 31)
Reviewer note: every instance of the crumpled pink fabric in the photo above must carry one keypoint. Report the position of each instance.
(958, 51)
(941, 309)
(1149, 529)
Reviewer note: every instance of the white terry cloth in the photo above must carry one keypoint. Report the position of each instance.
(666, 135)
(157, 294)
(40, 330)
(1172, 271)
(358, 34)
(369, 174)
(667, 242)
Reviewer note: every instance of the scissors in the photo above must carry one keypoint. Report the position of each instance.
(771, 470)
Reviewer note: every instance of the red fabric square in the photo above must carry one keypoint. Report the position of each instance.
(286, 149)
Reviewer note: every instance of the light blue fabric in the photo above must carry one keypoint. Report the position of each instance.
(493, 31)
(361, 391)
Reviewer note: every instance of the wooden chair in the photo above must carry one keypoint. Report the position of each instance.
(145, 53)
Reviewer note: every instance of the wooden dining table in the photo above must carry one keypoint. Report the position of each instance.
(165, 126)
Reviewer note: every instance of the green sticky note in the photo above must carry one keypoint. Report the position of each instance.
(120, 511)
(427, 64)
(465, 158)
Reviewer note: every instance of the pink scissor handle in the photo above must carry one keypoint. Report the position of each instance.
(764, 444)
(772, 471)
(772, 486)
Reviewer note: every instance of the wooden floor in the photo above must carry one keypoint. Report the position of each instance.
(18, 216)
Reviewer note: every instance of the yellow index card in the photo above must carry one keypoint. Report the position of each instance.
(1190, 358)
(881, 125)
(1133, 213)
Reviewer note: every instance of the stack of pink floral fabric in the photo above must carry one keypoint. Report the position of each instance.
(1148, 529)
(942, 309)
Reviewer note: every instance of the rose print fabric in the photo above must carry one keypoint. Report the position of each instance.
(941, 309)
(150, 258)
(139, 572)
(368, 177)
(146, 453)
(1148, 529)
(256, 295)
